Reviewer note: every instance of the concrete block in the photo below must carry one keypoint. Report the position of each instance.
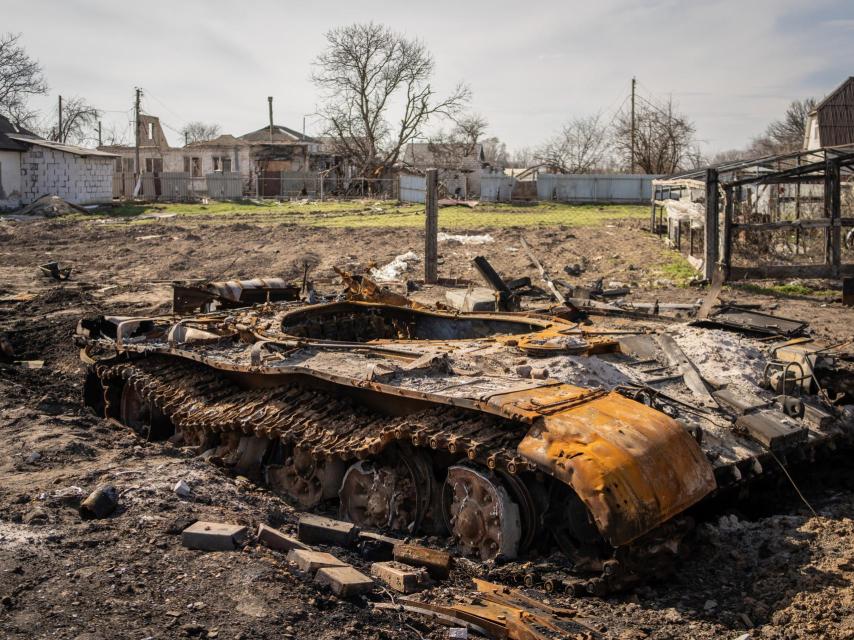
(376, 547)
(279, 541)
(213, 536)
(437, 563)
(310, 561)
(321, 530)
(476, 299)
(399, 576)
(345, 582)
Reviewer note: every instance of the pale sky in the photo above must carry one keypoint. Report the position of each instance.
(732, 66)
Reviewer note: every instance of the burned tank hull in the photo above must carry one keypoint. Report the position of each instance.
(424, 421)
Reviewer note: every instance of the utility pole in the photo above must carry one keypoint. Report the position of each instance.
(136, 127)
(632, 163)
(270, 106)
(99, 133)
(59, 135)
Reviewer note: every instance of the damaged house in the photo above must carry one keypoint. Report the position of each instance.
(461, 165)
(272, 161)
(31, 167)
(831, 123)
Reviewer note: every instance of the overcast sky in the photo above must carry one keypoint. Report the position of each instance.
(732, 65)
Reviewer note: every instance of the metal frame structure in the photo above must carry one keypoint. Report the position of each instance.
(723, 185)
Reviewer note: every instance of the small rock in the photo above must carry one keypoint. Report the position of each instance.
(35, 456)
(35, 516)
(182, 489)
(710, 605)
(192, 629)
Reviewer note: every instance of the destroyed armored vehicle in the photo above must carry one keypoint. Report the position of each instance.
(506, 431)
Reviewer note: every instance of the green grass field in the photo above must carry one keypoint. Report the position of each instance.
(380, 213)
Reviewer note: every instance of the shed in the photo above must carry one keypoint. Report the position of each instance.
(831, 123)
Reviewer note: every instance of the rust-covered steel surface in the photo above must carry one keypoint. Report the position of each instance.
(634, 467)
(483, 425)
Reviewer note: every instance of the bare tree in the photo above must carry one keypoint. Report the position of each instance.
(580, 147)
(663, 139)
(199, 132)
(20, 78)
(366, 71)
(79, 122)
(495, 152)
(521, 158)
(787, 134)
(115, 136)
(456, 148)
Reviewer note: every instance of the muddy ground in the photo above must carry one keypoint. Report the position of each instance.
(767, 569)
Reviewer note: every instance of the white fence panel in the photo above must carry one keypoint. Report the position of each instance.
(224, 184)
(606, 187)
(496, 188)
(413, 189)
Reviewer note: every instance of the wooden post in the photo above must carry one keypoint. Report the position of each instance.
(710, 238)
(832, 188)
(652, 228)
(729, 207)
(431, 239)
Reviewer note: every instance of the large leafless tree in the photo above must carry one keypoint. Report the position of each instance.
(786, 134)
(20, 79)
(378, 94)
(454, 149)
(663, 139)
(79, 122)
(580, 147)
(199, 132)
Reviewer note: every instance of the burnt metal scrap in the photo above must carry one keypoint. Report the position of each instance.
(420, 421)
(190, 297)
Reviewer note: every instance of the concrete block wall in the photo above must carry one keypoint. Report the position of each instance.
(74, 178)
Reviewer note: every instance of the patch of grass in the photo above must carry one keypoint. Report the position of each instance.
(676, 268)
(784, 290)
(380, 214)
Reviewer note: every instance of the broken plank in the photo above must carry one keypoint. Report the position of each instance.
(676, 357)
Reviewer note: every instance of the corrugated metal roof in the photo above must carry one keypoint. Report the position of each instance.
(836, 116)
(280, 134)
(7, 129)
(83, 152)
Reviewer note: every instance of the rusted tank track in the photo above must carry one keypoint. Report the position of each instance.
(199, 402)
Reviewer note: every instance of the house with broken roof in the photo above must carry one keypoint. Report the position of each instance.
(831, 123)
(31, 167)
(271, 161)
(460, 165)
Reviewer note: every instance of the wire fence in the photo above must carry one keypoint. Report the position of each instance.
(184, 187)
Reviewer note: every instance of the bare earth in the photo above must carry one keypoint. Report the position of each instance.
(767, 568)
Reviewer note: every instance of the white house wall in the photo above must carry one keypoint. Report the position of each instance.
(10, 179)
(74, 178)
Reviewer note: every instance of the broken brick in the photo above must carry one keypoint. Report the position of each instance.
(213, 536)
(437, 563)
(399, 576)
(277, 540)
(310, 561)
(345, 582)
(321, 530)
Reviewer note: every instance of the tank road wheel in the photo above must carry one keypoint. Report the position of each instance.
(390, 492)
(573, 529)
(142, 416)
(482, 516)
(305, 480)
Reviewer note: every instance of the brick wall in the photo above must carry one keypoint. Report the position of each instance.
(75, 179)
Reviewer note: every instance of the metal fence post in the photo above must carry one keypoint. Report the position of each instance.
(710, 238)
(431, 238)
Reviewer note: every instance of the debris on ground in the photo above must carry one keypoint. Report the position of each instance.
(53, 270)
(49, 206)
